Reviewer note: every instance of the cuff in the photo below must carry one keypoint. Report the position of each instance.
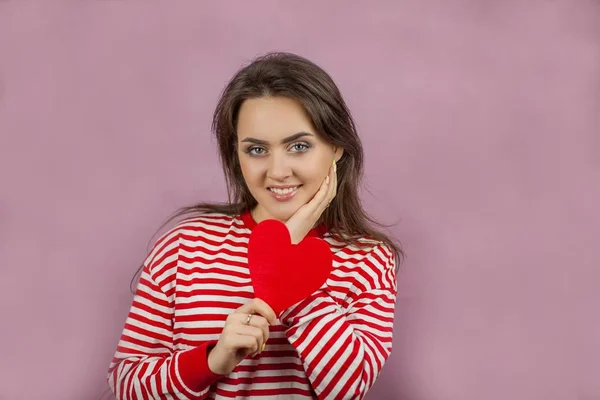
(193, 367)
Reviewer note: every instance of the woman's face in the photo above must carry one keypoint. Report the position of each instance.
(282, 158)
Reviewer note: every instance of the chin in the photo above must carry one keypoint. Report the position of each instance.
(282, 215)
(281, 212)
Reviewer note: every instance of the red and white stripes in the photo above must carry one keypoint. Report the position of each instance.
(331, 345)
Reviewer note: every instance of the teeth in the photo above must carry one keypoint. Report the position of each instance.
(283, 191)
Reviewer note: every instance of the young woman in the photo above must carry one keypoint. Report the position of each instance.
(290, 152)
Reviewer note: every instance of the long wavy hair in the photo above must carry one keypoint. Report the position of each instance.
(280, 74)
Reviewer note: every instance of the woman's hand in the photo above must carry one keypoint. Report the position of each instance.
(308, 215)
(245, 333)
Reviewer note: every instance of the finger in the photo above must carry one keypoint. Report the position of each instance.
(256, 333)
(256, 320)
(333, 185)
(246, 344)
(261, 323)
(314, 206)
(330, 194)
(265, 310)
(258, 306)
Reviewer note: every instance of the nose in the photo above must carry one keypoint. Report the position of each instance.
(278, 168)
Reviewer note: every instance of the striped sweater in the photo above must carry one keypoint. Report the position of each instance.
(332, 345)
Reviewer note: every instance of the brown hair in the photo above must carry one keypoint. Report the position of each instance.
(290, 75)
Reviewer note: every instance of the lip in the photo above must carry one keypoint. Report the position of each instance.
(284, 197)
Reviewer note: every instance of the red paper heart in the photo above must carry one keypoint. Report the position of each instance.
(283, 274)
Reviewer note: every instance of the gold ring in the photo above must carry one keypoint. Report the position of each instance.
(248, 319)
(263, 347)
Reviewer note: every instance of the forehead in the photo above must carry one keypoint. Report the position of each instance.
(272, 118)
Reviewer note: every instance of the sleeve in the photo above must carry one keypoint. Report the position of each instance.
(146, 364)
(344, 349)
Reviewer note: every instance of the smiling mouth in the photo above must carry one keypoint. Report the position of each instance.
(284, 191)
(283, 194)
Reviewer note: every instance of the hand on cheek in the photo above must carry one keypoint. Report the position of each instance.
(307, 216)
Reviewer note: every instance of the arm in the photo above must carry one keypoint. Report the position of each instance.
(146, 365)
(343, 350)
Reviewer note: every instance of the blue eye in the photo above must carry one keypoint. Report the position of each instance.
(255, 151)
(300, 147)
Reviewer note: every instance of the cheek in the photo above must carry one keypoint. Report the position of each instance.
(313, 174)
(254, 175)
(249, 171)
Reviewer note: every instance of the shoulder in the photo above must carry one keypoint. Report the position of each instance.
(212, 221)
(365, 265)
(208, 227)
(205, 225)
(367, 253)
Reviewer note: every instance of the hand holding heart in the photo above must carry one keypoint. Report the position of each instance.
(245, 333)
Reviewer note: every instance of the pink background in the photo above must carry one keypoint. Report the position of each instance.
(481, 127)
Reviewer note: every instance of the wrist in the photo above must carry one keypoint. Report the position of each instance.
(215, 362)
(212, 360)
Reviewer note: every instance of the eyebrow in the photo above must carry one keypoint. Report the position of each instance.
(284, 141)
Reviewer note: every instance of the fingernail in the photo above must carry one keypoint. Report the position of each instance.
(327, 179)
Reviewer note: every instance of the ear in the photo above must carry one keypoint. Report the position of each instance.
(337, 153)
